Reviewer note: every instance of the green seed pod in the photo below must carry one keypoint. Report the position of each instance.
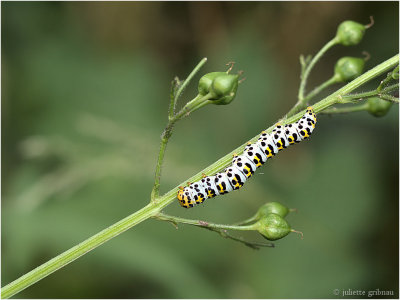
(348, 68)
(224, 88)
(272, 208)
(273, 227)
(350, 33)
(221, 85)
(206, 80)
(378, 107)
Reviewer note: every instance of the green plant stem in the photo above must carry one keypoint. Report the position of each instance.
(349, 109)
(388, 78)
(302, 101)
(310, 66)
(218, 228)
(373, 93)
(252, 244)
(155, 207)
(172, 119)
(247, 221)
(172, 96)
(198, 102)
(191, 106)
(389, 98)
(182, 86)
(320, 88)
(199, 223)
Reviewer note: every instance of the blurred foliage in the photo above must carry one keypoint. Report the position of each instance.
(85, 90)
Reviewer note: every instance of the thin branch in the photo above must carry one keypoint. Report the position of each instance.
(174, 87)
(172, 119)
(219, 228)
(301, 102)
(388, 79)
(188, 79)
(320, 88)
(251, 244)
(345, 110)
(199, 223)
(389, 98)
(373, 93)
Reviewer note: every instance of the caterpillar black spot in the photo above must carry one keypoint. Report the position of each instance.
(253, 157)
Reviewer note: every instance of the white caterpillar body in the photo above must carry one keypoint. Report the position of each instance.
(253, 157)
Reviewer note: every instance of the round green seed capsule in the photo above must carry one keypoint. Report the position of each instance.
(273, 227)
(348, 68)
(272, 208)
(220, 85)
(206, 81)
(378, 107)
(350, 33)
(223, 88)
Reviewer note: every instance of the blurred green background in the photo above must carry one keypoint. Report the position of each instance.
(85, 90)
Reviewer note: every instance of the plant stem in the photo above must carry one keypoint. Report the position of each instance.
(374, 92)
(155, 207)
(301, 102)
(174, 85)
(349, 109)
(219, 228)
(253, 245)
(388, 78)
(389, 98)
(310, 66)
(174, 219)
(189, 78)
(198, 102)
(172, 119)
(191, 106)
(320, 88)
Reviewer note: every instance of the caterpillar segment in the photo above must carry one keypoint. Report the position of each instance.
(292, 134)
(198, 192)
(222, 183)
(236, 177)
(266, 143)
(255, 154)
(244, 166)
(279, 138)
(210, 187)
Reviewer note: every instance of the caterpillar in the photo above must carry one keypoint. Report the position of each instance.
(244, 166)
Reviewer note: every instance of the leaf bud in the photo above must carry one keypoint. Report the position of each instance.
(273, 227)
(378, 107)
(348, 68)
(350, 33)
